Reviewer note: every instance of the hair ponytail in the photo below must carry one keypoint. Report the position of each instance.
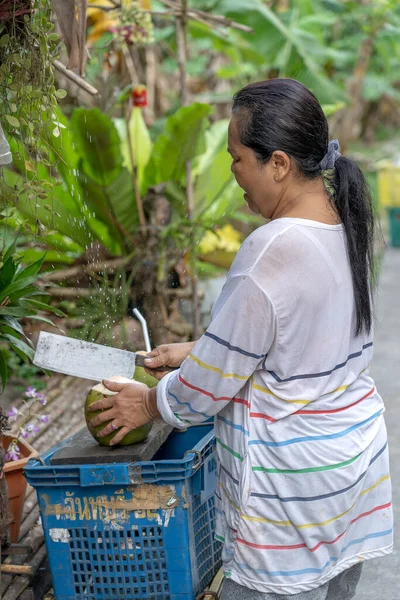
(352, 200)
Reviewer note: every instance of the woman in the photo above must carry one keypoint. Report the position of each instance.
(304, 493)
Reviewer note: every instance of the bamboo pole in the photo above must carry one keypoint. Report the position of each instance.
(16, 569)
(82, 83)
(181, 42)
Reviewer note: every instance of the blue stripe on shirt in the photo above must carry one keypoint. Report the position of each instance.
(314, 438)
(323, 373)
(331, 560)
(232, 348)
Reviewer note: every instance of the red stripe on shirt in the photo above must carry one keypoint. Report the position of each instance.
(298, 546)
(336, 410)
(262, 416)
(197, 389)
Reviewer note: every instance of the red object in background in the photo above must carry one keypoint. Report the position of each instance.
(139, 95)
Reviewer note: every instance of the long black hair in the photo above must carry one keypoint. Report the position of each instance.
(282, 114)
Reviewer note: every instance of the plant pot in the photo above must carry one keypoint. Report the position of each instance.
(16, 482)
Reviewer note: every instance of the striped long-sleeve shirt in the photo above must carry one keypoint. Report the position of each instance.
(304, 488)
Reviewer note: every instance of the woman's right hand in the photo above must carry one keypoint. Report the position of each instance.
(167, 355)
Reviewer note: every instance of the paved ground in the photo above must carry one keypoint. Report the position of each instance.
(381, 577)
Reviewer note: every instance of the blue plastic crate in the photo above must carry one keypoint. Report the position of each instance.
(141, 531)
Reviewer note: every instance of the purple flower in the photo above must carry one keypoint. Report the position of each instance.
(42, 400)
(13, 453)
(44, 418)
(32, 428)
(31, 392)
(13, 413)
(24, 433)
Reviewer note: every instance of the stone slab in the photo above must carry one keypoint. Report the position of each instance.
(81, 448)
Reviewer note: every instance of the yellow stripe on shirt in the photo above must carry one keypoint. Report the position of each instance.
(216, 370)
(305, 525)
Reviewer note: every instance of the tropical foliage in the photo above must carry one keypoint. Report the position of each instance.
(20, 298)
(101, 180)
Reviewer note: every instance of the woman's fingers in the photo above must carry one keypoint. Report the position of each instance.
(103, 417)
(159, 357)
(156, 374)
(113, 386)
(119, 436)
(110, 428)
(101, 404)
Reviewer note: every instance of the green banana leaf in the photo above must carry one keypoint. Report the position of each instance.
(98, 144)
(59, 211)
(181, 140)
(216, 193)
(276, 40)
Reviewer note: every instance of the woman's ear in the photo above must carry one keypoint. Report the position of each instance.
(280, 162)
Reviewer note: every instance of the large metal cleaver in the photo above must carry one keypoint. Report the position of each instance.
(84, 359)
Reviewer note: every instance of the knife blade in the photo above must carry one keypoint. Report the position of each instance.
(71, 356)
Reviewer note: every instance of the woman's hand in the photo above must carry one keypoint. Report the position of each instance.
(170, 355)
(133, 406)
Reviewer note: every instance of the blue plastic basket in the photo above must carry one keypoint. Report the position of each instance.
(394, 223)
(132, 531)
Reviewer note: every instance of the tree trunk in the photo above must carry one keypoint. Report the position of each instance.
(154, 275)
(347, 123)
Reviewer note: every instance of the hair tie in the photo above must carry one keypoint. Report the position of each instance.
(328, 162)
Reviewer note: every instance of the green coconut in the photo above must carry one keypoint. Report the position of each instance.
(99, 392)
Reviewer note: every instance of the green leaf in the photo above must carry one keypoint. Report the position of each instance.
(24, 292)
(16, 342)
(3, 369)
(47, 321)
(32, 269)
(4, 40)
(11, 250)
(213, 167)
(11, 331)
(140, 142)
(60, 93)
(52, 256)
(98, 144)
(13, 121)
(36, 304)
(15, 286)
(273, 38)
(11, 322)
(7, 272)
(16, 311)
(182, 140)
(63, 203)
(114, 205)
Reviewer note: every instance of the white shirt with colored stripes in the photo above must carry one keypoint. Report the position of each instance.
(303, 486)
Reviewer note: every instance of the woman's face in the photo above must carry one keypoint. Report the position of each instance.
(255, 179)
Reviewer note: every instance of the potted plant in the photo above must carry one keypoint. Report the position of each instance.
(18, 451)
(5, 517)
(18, 300)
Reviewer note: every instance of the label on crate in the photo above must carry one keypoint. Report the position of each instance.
(147, 501)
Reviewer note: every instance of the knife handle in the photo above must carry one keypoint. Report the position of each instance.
(139, 361)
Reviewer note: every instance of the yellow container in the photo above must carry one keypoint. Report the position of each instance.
(388, 185)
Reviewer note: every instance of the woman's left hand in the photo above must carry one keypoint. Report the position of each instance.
(134, 405)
